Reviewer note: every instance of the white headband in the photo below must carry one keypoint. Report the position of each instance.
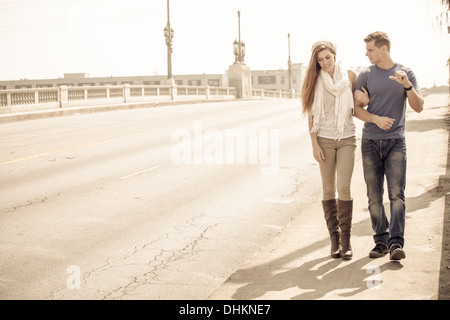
(328, 44)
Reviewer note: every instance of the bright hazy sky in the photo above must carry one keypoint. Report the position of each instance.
(46, 38)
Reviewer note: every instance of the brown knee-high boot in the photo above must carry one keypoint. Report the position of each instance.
(330, 213)
(344, 214)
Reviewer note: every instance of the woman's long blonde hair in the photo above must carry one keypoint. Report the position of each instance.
(310, 81)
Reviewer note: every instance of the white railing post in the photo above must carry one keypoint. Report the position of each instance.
(36, 96)
(292, 93)
(63, 96)
(126, 92)
(173, 91)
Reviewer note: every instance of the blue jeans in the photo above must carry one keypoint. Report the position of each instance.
(382, 158)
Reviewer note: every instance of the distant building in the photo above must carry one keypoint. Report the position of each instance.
(82, 79)
(279, 79)
(264, 79)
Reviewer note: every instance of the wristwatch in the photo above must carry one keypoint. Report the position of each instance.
(407, 89)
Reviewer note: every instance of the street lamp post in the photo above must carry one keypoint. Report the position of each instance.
(168, 34)
(289, 60)
(239, 46)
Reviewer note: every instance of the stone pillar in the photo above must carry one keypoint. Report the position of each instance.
(208, 92)
(126, 92)
(8, 99)
(240, 77)
(63, 96)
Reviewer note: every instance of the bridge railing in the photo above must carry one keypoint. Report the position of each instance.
(18, 100)
(63, 96)
(280, 94)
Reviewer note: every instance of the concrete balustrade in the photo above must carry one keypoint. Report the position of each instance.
(283, 94)
(18, 100)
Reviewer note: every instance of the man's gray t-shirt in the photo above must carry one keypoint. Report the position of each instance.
(387, 99)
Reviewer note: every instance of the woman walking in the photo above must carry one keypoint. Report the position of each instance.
(327, 99)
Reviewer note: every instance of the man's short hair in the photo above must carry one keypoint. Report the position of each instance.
(380, 38)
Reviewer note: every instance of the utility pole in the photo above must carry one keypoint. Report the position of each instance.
(239, 31)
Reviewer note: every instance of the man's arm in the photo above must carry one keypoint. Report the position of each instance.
(360, 112)
(384, 123)
(414, 98)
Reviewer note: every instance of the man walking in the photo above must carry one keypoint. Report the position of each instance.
(383, 147)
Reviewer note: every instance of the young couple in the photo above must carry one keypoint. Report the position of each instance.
(331, 97)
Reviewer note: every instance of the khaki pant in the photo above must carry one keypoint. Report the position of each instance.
(337, 170)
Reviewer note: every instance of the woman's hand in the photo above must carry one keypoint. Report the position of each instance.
(318, 154)
(362, 97)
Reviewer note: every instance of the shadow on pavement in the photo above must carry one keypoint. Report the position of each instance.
(317, 277)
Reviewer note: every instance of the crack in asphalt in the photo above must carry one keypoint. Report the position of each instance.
(29, 203)
(161, 260)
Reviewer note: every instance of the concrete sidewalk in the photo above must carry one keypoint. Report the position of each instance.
(296, 264)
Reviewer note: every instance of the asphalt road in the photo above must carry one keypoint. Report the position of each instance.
(158, 203)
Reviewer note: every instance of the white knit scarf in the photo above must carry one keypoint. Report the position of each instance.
(341, 89)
